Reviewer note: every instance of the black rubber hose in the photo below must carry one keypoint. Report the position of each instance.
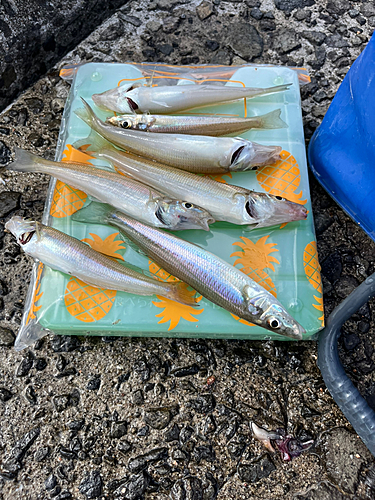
(347, 397)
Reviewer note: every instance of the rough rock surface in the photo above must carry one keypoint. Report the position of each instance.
(35, 35)
(84, 418)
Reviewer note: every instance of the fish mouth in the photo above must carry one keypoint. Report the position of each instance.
(98, 101)
(111, 119)
(295, 333)
(299, 212)
(304, 213)
(186, 223)
(266, 155)
(205, 223)
(202, 223)
(22, 229)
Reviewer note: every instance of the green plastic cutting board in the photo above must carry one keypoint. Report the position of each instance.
(283, 259)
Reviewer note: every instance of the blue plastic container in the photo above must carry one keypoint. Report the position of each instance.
(342, 157)
(342, 150)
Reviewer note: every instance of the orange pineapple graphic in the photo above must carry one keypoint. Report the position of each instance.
(37, 294)
(67, 200)
(88, 303)
(254, 258)
(173, 311)
(220, 177)
(282, 178)
(312, 271)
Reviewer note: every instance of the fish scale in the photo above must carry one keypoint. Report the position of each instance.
(208, 274)
(198, 267)
(197, 125)
(126, 194)
(225, 202)
(195, 153)
(70, 256)
(133, 98)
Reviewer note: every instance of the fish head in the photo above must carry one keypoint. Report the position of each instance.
(180, 215)
(270, 210)
(23, 230)
(266, 311)
(123, 121)
(251, 155)
(117, 99)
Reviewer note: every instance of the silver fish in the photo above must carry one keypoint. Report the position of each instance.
(194, 153)
(197, 125)
(209, 275)
(135, 98)
(128, 195)
(224, 201)
(70, 256)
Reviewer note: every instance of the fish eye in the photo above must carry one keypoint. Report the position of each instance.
(274, 323)
(279, 198)
(187, 204)
(125, 124)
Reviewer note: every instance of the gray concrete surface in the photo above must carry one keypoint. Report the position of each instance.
(104, 418)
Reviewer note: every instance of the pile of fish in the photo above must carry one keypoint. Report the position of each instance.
(161, 155)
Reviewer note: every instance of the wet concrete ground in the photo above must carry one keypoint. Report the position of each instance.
(158, 419)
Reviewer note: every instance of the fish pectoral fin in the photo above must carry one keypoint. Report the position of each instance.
(152, 200)
(250, 227)
(37, 231)
(148, 119)
(237, 196)
(249, 293)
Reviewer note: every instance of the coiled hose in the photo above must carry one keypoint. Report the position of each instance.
(347, 397)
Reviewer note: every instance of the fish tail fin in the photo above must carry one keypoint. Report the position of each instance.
(93, 144)
(278, 88)
(26, 162)
(94, 213)
(273, 90)
(272, 120)
(86, 113)
(183, 295)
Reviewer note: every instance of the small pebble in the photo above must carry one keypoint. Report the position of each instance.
(124, 447)
(91, 485)
(6, 335)
(41, 453)
(5, 395)
(94, 384)
(204, 10)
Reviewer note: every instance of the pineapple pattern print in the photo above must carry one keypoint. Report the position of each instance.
(254, 258)
(262, 256)
(67, 200)
(172, 311)
(220, 177)
(312, 271)
(37, 294)
(86, 302)
(282, 178)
